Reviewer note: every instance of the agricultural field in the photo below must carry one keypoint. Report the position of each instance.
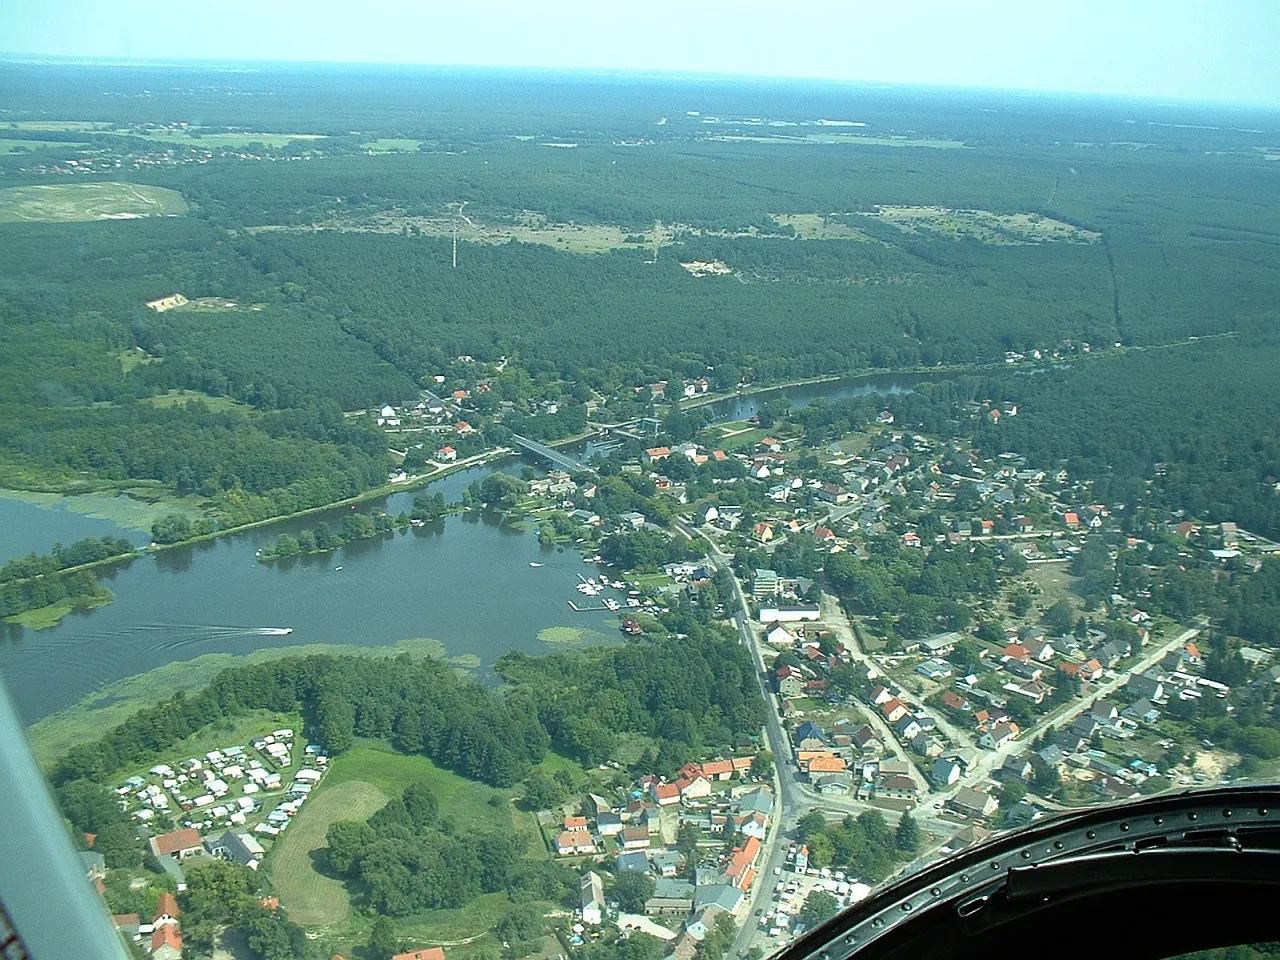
(68, 202)
(392, 145)
(196, 138)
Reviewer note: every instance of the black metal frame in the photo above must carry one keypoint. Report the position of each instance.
(1151, 878)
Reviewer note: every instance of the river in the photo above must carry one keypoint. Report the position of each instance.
(466, 582)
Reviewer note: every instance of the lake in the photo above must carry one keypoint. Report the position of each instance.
(465, 582)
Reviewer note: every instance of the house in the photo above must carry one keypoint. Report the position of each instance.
(833, 785)
(1051, 755)
(1145, 686)
(1104, 711)
(166, 943)
(635, 860)
(896, 787)
(430, 953)
(998, 735)
(671, 898)
(446, 454)
(656, 454)
(974, 804)
(893, 710)
(635, 838)
(1016, 768)
(573, 842)
(778, 635)
(179, 844)
(907, 727)
(833, 493)
(728, 897)
(1141, 710)
(757, 801)
(167, 912)
(1040, 649)
(763, 532)
(940, 645)
(945, 772)
(704, 922)
(665, 794)
(1024, 670)
(934, 669)
(742, 865)
(954, 701)
(239, 848)
(718, 769)
(790, 681)
(1015, 652)
(608, 823)
(1091, 670)
(827, 765)
(95, 865)
(592, 898)
(867, 741)
(809, 736)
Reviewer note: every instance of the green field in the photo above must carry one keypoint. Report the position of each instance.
(20, 146)
(392, 145)
(361, 780)
(310, 898)
(66, 202)
(175, 397)
(229, 140)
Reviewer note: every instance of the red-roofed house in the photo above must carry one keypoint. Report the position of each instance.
(430, 953)
(1071, 519)
(166, 943)
(953, 700)
(446, 454)
(572, 842)
(167, 911)
(575, 823)
(717, 769)
(1016, 651)
(654, 454)
(665, 794)
(741, 869)
(180, 843)
(893, 709)
(698, 786)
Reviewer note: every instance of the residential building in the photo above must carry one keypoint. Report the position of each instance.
(945, 772)
(430, 953)
(896, 787)
(575, 842)
(166, 943)
(974, 804)
(179, 844)
(635, 838)
(809, 736)
(671, 898)
(592, 898)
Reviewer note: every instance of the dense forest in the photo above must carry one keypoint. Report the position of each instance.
(298, 325)
(698, 693)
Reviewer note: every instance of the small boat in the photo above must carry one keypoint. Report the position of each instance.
(276, 631)
(532, 564)
(336, 569)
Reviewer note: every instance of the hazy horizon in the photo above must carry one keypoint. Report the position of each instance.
(1183, 51)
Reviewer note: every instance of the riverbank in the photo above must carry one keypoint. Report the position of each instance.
(86, 720)
(41, 618)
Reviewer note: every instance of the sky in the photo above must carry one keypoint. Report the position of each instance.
(1188, 50)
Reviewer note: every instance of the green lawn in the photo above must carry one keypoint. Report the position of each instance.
(225, 140)
(175, 397)
(311, 898)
